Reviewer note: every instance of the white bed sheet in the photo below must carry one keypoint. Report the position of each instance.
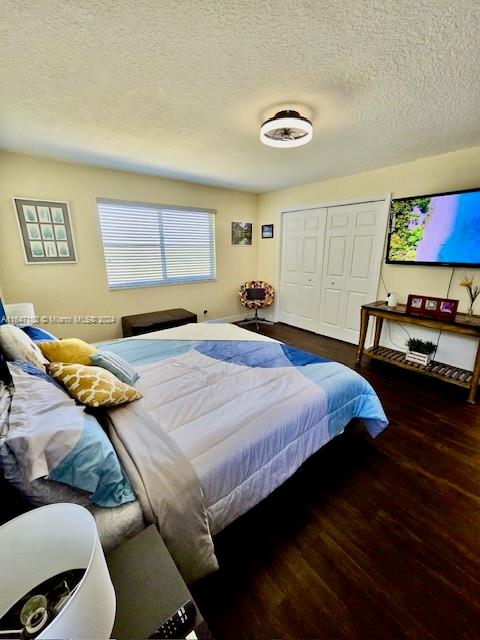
(205, 331)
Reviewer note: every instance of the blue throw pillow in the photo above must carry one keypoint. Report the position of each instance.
(116, 365)
(94, 467)
(38, 334)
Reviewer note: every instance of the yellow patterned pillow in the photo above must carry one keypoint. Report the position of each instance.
(92, 386)
(68, 350)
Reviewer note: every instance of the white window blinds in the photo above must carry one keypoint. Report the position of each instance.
(148, 244)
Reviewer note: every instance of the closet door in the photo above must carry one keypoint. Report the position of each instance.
(354, 240)
(302, 254)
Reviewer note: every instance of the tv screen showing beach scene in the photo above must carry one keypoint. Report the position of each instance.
(441, 229)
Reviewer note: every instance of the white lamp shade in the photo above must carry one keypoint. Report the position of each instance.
(50, 540)
(21, 313)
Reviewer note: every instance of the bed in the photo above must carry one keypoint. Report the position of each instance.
(226, 416)
(239, 413)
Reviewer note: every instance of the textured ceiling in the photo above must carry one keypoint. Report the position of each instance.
(179, 87)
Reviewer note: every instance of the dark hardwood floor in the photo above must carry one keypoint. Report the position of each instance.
(370, 539)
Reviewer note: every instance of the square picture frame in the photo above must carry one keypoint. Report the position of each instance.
(46, 230)
(242, 234)
(267, 231)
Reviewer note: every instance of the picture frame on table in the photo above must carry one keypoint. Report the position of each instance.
(431, 307)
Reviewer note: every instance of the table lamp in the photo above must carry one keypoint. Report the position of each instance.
(44, 543)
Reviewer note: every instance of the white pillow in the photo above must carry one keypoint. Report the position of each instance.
(16, 345)
(44, 424)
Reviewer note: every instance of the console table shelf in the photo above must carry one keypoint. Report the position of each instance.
(455, 375)
(448, 373)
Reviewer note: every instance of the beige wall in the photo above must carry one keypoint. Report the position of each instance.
(81, 289)
(458, 170)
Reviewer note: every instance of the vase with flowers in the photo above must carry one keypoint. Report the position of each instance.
(473, 290)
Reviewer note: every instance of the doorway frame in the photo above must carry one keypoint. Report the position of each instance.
(385, 197)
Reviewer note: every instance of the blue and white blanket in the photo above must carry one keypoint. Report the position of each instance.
(245, 412)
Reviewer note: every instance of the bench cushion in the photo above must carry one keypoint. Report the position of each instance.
(155, 321)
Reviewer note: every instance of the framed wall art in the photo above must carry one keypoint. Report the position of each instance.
(46, 230)
(267, 231)
(242, 234)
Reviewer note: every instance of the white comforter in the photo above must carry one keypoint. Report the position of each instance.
(228, 420)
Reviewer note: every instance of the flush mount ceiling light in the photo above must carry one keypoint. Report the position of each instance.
(286, 129)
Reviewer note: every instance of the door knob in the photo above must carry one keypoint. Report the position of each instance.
(332, 282)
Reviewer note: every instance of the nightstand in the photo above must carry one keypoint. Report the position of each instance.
(150, 590)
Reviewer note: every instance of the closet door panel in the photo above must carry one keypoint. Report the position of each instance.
(354, 240)
(302, 256)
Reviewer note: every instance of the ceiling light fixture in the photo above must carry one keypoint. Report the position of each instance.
(286, 129)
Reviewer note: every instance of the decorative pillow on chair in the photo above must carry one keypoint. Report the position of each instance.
(16, 345)
(116, 365)
(93, 386)
(69, 350)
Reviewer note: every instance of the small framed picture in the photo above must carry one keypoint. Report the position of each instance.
(242, 234)
(60, 233)
(33, 231)
(29, 213)
(36, 249)
(57, 215)
(267, 231)
(430, 307)
(44, 214)
(447, 306)
(63, 249)
(46, 230)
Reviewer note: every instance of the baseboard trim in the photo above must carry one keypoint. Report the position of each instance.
(241, 316)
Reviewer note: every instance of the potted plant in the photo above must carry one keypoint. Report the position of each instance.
(420, 351)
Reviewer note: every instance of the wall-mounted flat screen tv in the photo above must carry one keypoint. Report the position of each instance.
(441, 229)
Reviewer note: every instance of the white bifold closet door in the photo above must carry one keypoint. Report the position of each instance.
(331, 259)
(354, 240)
(301, 274)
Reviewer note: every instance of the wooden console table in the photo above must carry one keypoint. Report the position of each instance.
(461, 325)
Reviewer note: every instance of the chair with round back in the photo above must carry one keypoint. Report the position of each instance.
(256, 294)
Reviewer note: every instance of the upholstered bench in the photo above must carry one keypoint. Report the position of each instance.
(156, 320)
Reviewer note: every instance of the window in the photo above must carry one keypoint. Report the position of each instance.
(147, 244)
